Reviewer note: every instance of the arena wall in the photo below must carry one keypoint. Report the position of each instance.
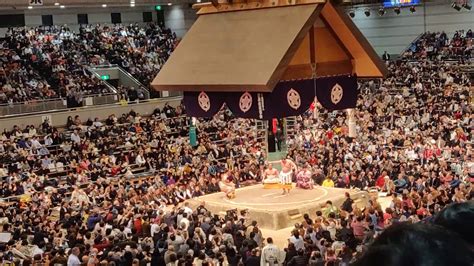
(69, 15)
(392, 33)
(180, 18)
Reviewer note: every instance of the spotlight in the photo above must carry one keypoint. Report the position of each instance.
(381, 11)
(367, 13)
(467, 6)
(412, 9)
(352, 14)
(455, 6)
(397, 10)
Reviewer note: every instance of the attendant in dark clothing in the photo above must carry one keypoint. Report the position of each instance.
(298, 260)
(157, 259)
(253, 259)
(347, 204)
(213, 187)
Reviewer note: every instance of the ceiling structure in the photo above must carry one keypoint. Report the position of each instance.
(23, 4)
(252, 46)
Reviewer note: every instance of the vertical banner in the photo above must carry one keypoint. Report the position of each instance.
(337, 93)
(243, 104)
(289, 98)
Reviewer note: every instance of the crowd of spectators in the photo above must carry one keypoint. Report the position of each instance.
(413, 143)
(437, 45)
(19, 82)
(140, 50)
(130, 93)
(126, 168)
(51, 62)
(114, 192)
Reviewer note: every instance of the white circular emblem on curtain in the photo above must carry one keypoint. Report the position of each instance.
(336, 94)
(204, 101)
(245, 102)
(294, 99)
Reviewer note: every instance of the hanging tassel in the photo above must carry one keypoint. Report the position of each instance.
(260, 105)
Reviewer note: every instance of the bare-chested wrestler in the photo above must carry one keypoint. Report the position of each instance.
(270, 175)
(227, 186)
(288, 167)
(304, 178)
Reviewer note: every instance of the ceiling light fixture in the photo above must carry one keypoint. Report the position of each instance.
(352, 14)
(381, 11)
(104, 5)
(62, 6)
(132, 4)
(455, 6)
(30, 7)
(56, 4)
(169, 4)
(397, 10)
(367, 12)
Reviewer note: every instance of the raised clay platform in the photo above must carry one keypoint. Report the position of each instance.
(275, 211)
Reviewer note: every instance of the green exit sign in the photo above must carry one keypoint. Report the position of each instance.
(105, 77)
(158, 8)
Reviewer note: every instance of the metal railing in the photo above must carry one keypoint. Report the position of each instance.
(122, 74)
(409, 45)
(140, 86)
(44, 105)
(37, 106)
(34, 106)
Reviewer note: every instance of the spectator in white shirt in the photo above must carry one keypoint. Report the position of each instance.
(297, 240)
(48, 141)
(140, 160)
(75, 137)
(73, 259)
(35, 144)
(97, 123)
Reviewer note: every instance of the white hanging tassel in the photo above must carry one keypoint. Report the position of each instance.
(260, 105)
(351, 121)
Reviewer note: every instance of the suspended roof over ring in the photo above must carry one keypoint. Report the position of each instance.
(251, 46)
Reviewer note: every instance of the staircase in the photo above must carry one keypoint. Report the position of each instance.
(117, 76)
